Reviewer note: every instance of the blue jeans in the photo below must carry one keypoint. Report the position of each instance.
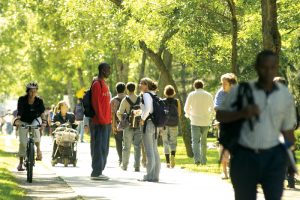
(132, 136)
(169, 137)
(199, 144)
(99, 147)
(249, 168)
(80, 130)
(153, 160)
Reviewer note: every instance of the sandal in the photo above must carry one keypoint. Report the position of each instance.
(39, 156)
(20, 168)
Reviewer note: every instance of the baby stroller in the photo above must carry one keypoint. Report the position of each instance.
(64, 146)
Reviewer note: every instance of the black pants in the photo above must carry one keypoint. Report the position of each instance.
(119, 144)
(249, 168)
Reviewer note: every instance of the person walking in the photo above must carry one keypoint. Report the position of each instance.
(170, 131)
(228, 80)
(101, 123)
(79, 115)
(130, 107)
(199, 108)
(115, 104)
(147, 86)
(260, 158)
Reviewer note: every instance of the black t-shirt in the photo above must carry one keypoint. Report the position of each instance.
(70, 117)
(29, 112)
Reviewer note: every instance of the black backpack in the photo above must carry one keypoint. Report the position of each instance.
(230, 132)
(159, 115)
(119, 101)
(87, 102)
(134, 121)
(172, 108)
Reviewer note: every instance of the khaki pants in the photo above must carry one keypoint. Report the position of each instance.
(23, 136)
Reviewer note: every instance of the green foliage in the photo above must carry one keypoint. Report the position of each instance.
(48, 41)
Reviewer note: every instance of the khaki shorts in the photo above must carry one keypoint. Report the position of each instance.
(23, 137)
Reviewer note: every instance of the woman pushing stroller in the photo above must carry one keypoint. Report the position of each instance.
(65, 136)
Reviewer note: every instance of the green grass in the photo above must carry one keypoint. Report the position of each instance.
(9, 188)
(183, 161)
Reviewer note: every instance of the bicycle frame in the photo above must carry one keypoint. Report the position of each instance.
(29, 160)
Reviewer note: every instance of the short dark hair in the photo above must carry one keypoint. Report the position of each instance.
(198, 84)
(101, 66)
(261, 56)
(169, 91)
(120, 87)
(130, 86)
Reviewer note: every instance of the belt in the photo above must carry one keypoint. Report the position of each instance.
(258, 151)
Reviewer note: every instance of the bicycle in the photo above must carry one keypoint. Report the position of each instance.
(29, 159)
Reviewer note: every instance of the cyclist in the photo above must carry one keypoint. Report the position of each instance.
(30, 111)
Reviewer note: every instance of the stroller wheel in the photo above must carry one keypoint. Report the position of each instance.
(66, 162)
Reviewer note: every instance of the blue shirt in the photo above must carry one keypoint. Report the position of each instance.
(219, 98)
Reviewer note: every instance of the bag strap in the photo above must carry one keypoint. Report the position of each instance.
(245, 90)
(129, 101)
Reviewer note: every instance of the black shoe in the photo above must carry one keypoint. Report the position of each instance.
(137, 169)
(197, 163)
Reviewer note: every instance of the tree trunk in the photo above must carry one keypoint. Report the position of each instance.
(234, 32)
(185, 130)
(80, 77)
(162, 82)
(122, 71)
(183, 81)
(271, 35)
(143, 66)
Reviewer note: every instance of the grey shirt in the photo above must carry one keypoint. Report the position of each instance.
(277, 114)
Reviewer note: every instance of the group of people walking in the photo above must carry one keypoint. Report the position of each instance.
(259, 159)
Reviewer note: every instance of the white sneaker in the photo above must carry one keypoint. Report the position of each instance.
(100, 178)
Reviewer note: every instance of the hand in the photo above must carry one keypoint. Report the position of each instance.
(18, 122)
(250, 111)
(57, 123)
(43, 125)
(115, 130)
(142, 122)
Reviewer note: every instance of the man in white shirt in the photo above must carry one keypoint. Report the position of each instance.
(198, 108)
(260, 158)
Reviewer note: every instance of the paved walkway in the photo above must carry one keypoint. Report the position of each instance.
(74, 182)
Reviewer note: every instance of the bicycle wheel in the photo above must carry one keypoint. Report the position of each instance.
(30, 161)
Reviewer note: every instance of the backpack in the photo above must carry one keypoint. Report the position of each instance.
(159, 115)
(87, 102)
(119, 101)
(79, 112)
(134, 121)
(230, 132)
(172, 116)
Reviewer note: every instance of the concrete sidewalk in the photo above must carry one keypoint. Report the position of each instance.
(74, 182)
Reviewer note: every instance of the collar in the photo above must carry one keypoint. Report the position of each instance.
(198, 90)
(121, 95)
(259, 87)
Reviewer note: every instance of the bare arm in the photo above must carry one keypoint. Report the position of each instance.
(289, 136)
